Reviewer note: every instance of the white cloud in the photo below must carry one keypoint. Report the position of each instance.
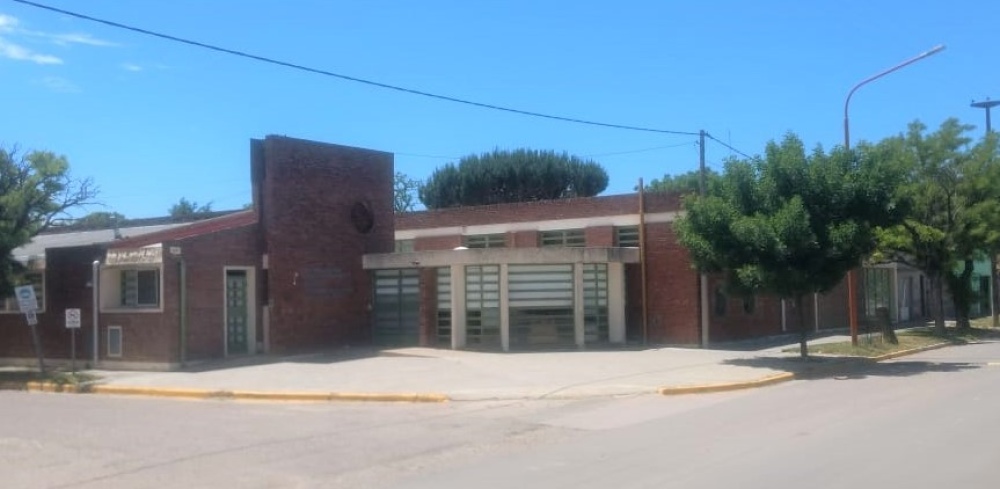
(17, 52)
(75, 38)
(61, 85)
(7, 23)
(131, 67)
(13, 33)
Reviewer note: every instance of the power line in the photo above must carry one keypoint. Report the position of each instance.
(713, 138)
(318, 71)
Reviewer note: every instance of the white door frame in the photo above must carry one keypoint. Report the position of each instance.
(251, 309)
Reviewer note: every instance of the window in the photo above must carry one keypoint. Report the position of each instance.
(749, 304)
(140, 288)
(404, 246)
(485, 241)
(569, 238)
(627, 237)
(444, 305)
(720, 302)
(35, 279)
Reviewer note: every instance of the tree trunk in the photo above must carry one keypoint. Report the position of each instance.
(960, 286)
(885, 325)
(937, 299)
(803, 330)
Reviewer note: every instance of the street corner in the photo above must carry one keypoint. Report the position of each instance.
(726, 386)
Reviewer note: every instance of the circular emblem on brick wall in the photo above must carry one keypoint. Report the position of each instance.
(362, 217)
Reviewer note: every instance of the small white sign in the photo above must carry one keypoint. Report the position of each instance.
(31, 317)
(26, 299)
(137, 256)
(72, 318)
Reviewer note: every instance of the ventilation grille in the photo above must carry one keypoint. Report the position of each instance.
(115, 341)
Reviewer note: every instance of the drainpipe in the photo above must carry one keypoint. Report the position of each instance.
(183, 309)
(96, 290)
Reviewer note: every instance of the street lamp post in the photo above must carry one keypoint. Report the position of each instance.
(986, 104)
(852, 304)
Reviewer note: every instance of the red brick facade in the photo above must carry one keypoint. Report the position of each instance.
(674, 312)
(67, 279)
(318, 209)
(322, 208)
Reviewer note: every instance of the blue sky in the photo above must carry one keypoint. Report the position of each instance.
(153, 121)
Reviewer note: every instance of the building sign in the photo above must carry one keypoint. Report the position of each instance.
(137, 256)
(26, 299)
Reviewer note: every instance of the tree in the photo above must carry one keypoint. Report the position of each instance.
(951, 192)
(100, 219)
(404, 191)
(986, 213)
(503, 176)
(790, 224)
(686, 183)
(35, 190)
(185, 209)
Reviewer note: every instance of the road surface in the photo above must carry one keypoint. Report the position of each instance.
(925, 421)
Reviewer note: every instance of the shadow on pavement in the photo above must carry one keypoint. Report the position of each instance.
(851, 368)
(323, 357)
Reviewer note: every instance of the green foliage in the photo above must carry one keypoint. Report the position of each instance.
(100, 220)
(35, 189)
(512, 176)
(952, 194)
(685, 183)
(185, 209)
(791, 223)
(404, 191)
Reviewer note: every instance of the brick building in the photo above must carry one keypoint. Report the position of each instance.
(563, 273)
(320, 261)
(284, 275)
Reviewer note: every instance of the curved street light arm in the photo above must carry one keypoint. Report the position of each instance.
(847, 131)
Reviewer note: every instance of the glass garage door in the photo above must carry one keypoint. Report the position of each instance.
(397, 307)
(482, 306)
(541, 305)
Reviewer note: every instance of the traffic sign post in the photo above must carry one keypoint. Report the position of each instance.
(28, 304)
(73, 324)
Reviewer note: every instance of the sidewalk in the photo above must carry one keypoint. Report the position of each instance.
(425, 374)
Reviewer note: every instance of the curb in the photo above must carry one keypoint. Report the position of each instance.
(729, 386)
(205, 394)
(903, 353)
(36, 386)
(268, 396)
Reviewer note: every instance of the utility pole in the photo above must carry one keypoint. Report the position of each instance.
(994, 300)
(703, 278)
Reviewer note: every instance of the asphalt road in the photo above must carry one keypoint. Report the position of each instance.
(931, 420)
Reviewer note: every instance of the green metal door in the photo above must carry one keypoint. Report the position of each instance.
(236, 312)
